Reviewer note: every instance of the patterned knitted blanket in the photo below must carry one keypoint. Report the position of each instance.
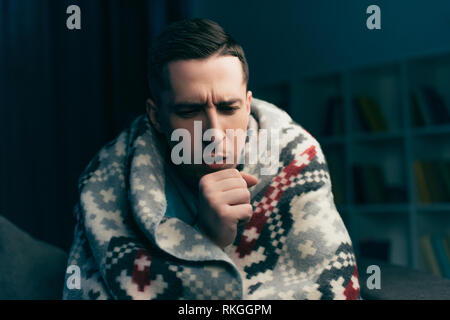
(294, 247)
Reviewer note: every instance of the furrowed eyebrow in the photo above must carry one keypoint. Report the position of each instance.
(187, 105)
(194, 105)
(229, 102)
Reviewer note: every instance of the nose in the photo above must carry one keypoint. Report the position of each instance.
(213, 123)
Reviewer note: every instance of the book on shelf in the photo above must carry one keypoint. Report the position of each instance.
(429, 256)
(370, 114)
(437, 242)
(358, 184)
(435, 250)
(334, 116)
(447, 245)
(420, 114)
(369, 184)
(444, 167)
(371, 187)
(375, 184)
(423, 190)
(433, 180)
(428, 107)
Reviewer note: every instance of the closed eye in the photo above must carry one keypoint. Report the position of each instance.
(187, 113)
(189, 110)
(227, 109)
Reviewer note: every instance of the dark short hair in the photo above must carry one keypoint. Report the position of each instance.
(185, 40)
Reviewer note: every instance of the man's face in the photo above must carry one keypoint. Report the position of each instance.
(212, 91)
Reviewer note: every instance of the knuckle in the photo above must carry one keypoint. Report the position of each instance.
(206, 186)
(223, 211)
(235, 172)
(214, 203)
(203, 182)
(206, 191)
(247, 195)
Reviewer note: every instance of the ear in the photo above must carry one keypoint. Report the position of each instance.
(152, 111)
(248, 102)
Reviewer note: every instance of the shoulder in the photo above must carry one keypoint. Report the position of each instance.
(294, 140)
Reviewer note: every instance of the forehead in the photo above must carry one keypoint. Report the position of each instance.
(198, 80)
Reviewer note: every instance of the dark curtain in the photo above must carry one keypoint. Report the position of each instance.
(63, 95)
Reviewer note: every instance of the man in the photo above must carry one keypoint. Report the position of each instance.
(175, 208)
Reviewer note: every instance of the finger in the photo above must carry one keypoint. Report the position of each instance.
(236, 196)
(242, 213)
(224, 174)
(250, 179)
(232, 183)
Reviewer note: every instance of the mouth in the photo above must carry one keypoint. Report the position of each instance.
(219, 162)
(215, 166)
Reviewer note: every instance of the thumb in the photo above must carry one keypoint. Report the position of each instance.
(250, 179)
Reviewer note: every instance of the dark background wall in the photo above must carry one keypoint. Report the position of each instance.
(292, 38)
(65, 93)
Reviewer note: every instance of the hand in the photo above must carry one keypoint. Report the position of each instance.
(224, 202)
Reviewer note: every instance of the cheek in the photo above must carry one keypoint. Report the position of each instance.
(179, 123)
(239, 123)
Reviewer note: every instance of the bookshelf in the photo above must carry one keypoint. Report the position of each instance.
(339, 109)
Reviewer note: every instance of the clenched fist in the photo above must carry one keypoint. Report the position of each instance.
(224, 202)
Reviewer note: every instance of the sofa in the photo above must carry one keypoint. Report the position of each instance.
(29, 268)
